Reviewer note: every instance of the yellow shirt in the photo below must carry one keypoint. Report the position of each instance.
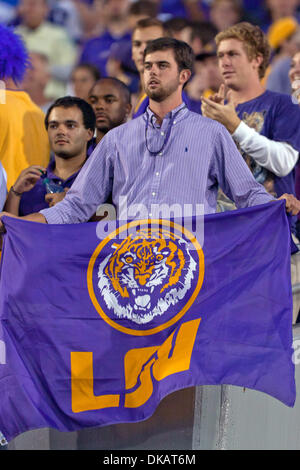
(23, 137)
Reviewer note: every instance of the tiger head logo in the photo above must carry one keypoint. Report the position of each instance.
(146, 275)
(254, 120)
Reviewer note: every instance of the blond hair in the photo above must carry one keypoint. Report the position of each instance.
(254, 41)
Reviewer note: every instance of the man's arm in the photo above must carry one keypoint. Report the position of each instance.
(278, 157)
(36, 217)
(92, 187)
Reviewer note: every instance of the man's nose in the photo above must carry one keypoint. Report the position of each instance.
(100, 104)
(61, 129)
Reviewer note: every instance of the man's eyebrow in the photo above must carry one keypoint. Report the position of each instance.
(67, 121)
(159, 62)
(109, 95)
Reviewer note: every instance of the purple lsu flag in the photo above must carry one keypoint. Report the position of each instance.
(96, 331)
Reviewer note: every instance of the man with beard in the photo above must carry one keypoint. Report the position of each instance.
(111, 101)
(168, 156)
(70, 123)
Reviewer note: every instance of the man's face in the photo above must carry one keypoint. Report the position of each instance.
(213, 72)
(237, 70)
(294, 72)
(67, 135)
(33, 12)
(161, 75)
(114, 10)
(140, 39)
(82, 81)
(37, 75)
(109, 105)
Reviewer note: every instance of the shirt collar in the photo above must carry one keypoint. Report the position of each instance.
(53, 176)
(180, 111)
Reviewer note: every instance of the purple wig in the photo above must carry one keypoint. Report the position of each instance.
(14, 58)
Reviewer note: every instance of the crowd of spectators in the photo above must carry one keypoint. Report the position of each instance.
(62, 35)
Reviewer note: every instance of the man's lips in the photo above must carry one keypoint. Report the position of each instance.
(101, 116)
(61, 141)
(153, 82)
(228, 73)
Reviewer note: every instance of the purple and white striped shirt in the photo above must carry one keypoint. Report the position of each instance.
(198, 156)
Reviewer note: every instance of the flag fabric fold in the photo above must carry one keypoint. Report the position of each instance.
(96, 331)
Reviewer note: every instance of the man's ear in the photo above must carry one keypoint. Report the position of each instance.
(90, 134)
(185, 75)
(258, 61)
(128, 108)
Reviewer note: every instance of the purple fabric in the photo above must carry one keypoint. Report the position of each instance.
(72, 358)
(96, 51)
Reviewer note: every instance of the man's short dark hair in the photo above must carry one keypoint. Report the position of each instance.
(183, 53)
(88, 115)
(94, 71)
(149, 23)
(119, 84)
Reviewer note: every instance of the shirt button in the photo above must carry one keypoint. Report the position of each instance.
(153, 194)
(162, 133)
(160, 153)
(174, 122)
(157, 173)
(150, 215)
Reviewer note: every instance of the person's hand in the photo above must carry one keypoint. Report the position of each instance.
(292, 204)
(28, 178)
(214, 108)
(54, 198)
(2, 214)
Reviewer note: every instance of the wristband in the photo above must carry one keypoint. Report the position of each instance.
(15, 192)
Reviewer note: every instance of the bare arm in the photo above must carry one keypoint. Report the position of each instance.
(35, 217)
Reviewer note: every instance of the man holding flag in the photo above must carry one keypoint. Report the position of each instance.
(97, 332)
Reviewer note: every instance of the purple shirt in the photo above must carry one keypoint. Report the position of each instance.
(198, 156)
(96, 50)
(34, 200)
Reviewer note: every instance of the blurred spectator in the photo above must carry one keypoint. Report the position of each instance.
(180, 28)
(48, 39)
(225, 13)
(90, 13)
(83, 77)
(70, 123)
(207, 77)
(191, 9)
(294, 77)
(203, 37)
(284, 39)
(96, 51)
(121, 66)
(141, 9)
(36, 78)
(111, 102)
(277, 9)
(198, 84)
(23, 139)
(65, 13)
